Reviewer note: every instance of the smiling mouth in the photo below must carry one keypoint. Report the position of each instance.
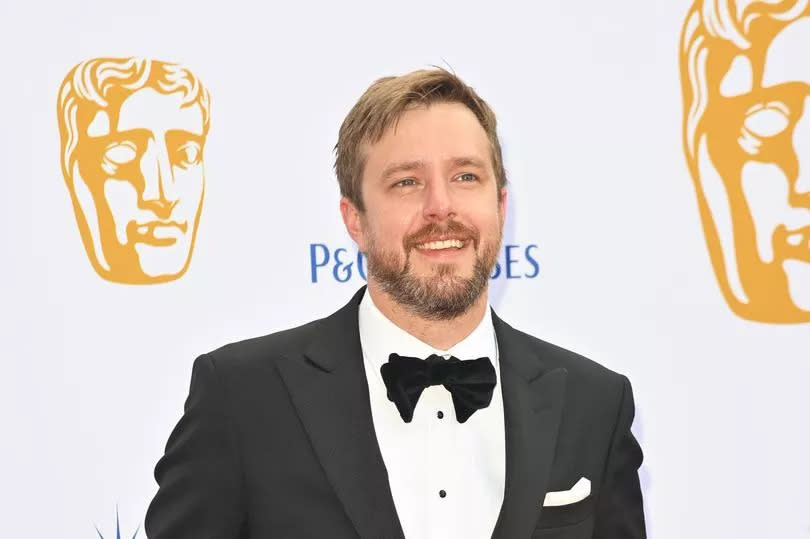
(441, 244)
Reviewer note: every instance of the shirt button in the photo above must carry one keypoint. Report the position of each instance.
(442, 493)
(440, 414)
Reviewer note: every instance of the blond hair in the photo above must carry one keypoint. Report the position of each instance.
(381, 106)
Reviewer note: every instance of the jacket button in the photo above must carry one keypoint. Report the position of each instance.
(442, 493)
(440, 414)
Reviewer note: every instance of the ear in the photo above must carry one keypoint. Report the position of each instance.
(353, 219)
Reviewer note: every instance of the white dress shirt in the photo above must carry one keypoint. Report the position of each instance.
(434, 454)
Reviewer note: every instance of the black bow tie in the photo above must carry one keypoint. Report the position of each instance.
(470, 382)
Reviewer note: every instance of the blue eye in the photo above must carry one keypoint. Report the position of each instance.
(405, 183)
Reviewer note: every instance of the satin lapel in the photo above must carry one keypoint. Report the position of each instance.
(533, 397)
(330, 391)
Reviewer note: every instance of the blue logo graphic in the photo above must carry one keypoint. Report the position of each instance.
(118, 528)
(338, 264)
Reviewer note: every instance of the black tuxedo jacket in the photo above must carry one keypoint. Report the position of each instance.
(277, 441)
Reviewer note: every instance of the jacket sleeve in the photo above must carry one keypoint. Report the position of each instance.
(620, 508)
(200, 492)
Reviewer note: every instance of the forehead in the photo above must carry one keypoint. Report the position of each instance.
(787, 59)
(427, 133)
(150, 109)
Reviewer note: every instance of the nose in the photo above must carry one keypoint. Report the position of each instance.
(438, 203)
(159, 194)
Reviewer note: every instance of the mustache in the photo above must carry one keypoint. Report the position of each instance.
(433, 230)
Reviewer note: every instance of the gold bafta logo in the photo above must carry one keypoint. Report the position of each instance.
(132, 138)
(745, 79)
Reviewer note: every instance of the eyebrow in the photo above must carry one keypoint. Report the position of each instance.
(468, 162)
(407, 166)
(404, 166)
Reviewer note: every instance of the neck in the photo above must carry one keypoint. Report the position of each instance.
(441, 334)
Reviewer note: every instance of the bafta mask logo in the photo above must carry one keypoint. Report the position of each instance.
(132, 138)
(745, 78)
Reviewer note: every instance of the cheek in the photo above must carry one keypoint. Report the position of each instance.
(392, 223)
(489, 222)
(391, 232)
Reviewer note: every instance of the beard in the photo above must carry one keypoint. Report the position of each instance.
(444, 295)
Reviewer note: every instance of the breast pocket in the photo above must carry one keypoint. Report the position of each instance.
(572, 521)
(580, 530)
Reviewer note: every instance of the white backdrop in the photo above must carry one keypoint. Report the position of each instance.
(589, 103)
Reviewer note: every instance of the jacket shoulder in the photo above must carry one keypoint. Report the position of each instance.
(579, 367)
(258, 351)
(595, 394)
(245, 356)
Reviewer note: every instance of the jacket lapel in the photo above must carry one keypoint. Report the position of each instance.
(533, 398)
(330, 392)
(329, 389)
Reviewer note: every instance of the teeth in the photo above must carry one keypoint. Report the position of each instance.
(446, 244)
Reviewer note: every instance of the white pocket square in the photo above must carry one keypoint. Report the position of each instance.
(577, 493)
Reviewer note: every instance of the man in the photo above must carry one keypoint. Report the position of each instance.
(132, 133)
(746, 89)
(414, 410)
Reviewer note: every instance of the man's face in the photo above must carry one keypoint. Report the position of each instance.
(758, 143)
(144, 172)
(432, 225)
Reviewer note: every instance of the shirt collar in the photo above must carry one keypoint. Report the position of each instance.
(380, 337)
